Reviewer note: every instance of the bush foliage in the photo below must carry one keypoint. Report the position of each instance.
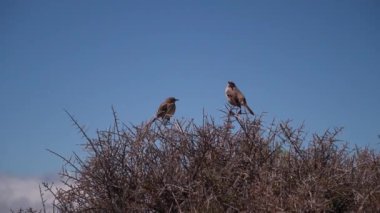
(239, 165)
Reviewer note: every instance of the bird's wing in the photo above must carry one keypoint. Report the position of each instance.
(162, 109)
(241, 97)
(243, 101)
(170, 109)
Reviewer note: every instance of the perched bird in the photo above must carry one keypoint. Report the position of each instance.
(235, 97)
(166, 109)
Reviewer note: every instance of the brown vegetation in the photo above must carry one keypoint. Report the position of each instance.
(240, 165)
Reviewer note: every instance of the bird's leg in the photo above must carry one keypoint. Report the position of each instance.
(230, 109)
(165, 120)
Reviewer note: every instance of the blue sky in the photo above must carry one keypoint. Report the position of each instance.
(316, 62)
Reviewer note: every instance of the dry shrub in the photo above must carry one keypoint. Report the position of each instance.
(240, 165)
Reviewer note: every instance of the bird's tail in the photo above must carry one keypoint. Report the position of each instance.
(249, 109)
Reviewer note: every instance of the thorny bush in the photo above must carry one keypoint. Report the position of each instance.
(240, 165)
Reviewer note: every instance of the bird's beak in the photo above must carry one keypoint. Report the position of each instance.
(176, 99)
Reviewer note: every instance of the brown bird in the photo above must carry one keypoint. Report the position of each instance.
(235, 97)
(167, 109)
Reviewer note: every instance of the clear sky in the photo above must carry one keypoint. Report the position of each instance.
(316, 62)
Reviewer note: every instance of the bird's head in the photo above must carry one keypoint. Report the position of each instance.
(171, 100)
(231, 84)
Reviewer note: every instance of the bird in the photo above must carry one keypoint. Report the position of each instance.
(166, 109)
(235, 97)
